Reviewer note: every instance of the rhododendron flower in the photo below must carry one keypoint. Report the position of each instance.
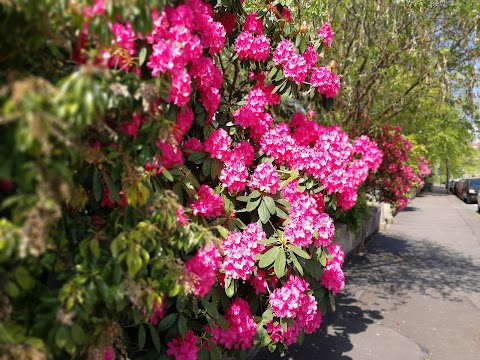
(326, 82)
(259, 282)
(202, 268)
(234, 175)
(326, 34)
(279, 334)
(183, 124)
(208, 204)
(241, 327)
(131, 127)
(333, 278)
(218, 144)
(265, 178)
(286, 14)
(229, 22)
(170, 155)
(295, 66)
(290, 301)
(124, 41)
(181, 217)
(98, 8)
(240, 250)
(183, 348)
(243, 152)
(249, 46)
(180, 89)
(158, 312)
(193, 144)
(253, 24)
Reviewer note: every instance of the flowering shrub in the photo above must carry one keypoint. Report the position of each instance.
(167, 205)
(395, 178)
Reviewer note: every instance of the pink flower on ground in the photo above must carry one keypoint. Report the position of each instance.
(326, 82)
(202, 268)
(208, 204)
(326, 34)
(183, 348)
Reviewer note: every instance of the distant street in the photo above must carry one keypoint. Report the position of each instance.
(412, 293)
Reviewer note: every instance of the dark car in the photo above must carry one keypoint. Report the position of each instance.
(470, 189)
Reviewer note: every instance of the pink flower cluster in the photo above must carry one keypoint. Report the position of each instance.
(208, 204)
(179, 37)
(184, 348)
(240, 250)
(241, 327)
(265, 178)
(326, 154)
(200, 270)
(251, 43)
(326, 82)
(290, 301)
(124, 46)
(253, 115)
(333, 278)
(295, 66)
(305, 218)
(326, 34)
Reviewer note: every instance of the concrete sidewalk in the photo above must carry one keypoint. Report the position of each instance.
(413, 293)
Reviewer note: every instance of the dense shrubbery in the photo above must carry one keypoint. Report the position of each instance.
(156, 196)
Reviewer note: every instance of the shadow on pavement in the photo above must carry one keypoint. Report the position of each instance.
(399, 266)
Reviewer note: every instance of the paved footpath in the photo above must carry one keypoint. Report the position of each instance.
(412, 293)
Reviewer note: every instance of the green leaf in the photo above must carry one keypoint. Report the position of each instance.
(300, 252)
(61, 337)
(215, 351)
(269, 241)
(280, 263)
(296, 263)
(331, 297)
(281, 214)
(197, 156)
(323, 259)
(113, 192)
(142, 56)
(155, 338)
(97, 186)
(263, 213)
(207, 167)
(230, 290)
(78, 335)
(252, 205)
(203, 354)
(167, 322)
(182, 325)
(222, 231)
(267, 258)
(270, 203)
(134, 263)
(167, 175)
(142, 337)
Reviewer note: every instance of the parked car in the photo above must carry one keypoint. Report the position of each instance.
(459, 188)
(451, 185)
(470, 189)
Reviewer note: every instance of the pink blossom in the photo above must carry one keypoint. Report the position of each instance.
(183, 124)
(109, 353)
(326, 82)
(210, 100)
(181, 217)
(295, 66)
(202, 268)
(158, 312)
(286, 14)
(326, 34)
(325, 229)
(98, 8)
(279, 334)
(336, 253)
(229, 22)
(183, 348)
(243, 152)
(234, 175)
(208, 204)
(259, 282)
(124, 41)
(240, 250)
(249, 46)
(170, 155)
(218, 144)
(241, 327)
(333, 278)
(131, 127)
(265, 178)
(193, 144)
(180, 90)
(253, 24)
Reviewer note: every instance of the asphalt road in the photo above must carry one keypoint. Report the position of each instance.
(412, 293)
